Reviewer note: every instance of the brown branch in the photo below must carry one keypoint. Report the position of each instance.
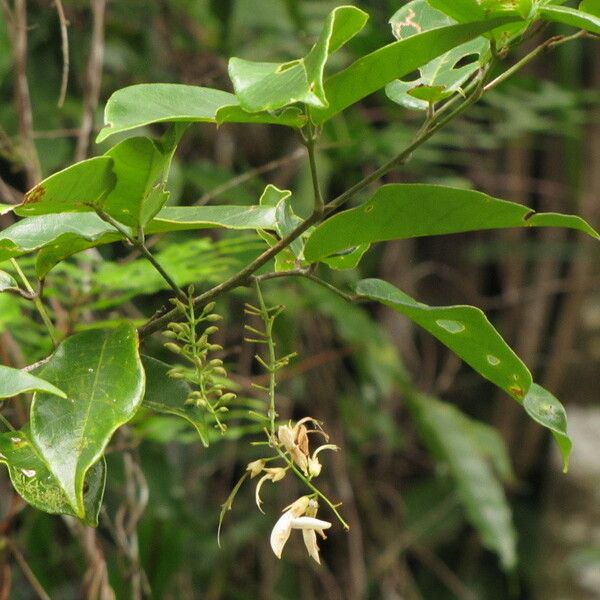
(93, 79)
(65, 51)
(18, 33)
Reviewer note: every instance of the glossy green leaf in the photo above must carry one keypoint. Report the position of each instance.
(167, 395)
(449, 435)
(7, 281)
(141, 166)
(271, 86)
(141, 105)
(572, 17)
(15, 381)
(77, 188)
(440, 78)
(102, 375)
(37, 485)
(399, 211)
(464, 329)
(544, 408)
(394, 61)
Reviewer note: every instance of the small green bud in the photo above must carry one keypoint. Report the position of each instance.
(213, 318)
(214, 347)
(216, 362)
(173, 347)
(170, 335)
(223, 409)
(208, 308)
(211, 330)
(219, 371)
(228, 397)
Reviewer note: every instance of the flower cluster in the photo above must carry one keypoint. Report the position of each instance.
(293, 447)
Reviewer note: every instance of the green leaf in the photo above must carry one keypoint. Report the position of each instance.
(591, 7)
(394, 61)
(441, 77)
(271, 86)
(6, 208)
(572, 17)
(179, 218)
(285, 218)
(102, 375)
(77, 188)
(346, 259)
(14, 382)
(475, 10)
(544, 408)
(464, 329)
(167, 395)
(399, 211)
(449, 435)
(141, 166)
(144, 104)
(7, 281)
(61, 236)
(38, 486)
(492, 446)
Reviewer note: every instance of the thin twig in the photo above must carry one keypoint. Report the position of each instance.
(297, 154)
(65, 51)
(139, 244)
(27, 572)
(39, 305)
(93, 79)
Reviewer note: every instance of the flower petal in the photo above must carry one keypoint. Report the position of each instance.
(309, 523)
(281, 533)
(310, 541)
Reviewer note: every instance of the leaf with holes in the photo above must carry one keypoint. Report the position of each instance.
(14, 382)
(263, 86)
(37, 485)
(442, 77)
(399, 211)
(101, 373)
(449, 435)
(544, 408)
(167, 395)
(394, 61)
(78, 188)
(464, 329)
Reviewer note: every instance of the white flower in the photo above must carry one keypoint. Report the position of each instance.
(271, 474)
(294, 518)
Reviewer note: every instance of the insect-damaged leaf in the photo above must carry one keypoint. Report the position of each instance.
(36, 484)
(441, 77)
(102, 375)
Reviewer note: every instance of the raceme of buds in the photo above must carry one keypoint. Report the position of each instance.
(299, 515)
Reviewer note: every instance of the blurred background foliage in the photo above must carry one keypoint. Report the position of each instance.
(536, 140)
